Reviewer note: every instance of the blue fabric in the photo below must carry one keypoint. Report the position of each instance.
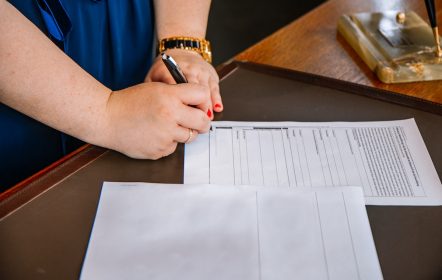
(55, 18)
(110, 39)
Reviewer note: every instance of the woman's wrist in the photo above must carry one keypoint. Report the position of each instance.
(197, 45)
(99, 129)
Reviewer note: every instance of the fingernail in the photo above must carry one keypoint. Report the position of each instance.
(217, 105)
(209, 113)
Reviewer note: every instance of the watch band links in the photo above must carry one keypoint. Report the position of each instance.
(198, 45)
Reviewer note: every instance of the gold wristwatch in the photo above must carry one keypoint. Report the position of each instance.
(198, 45)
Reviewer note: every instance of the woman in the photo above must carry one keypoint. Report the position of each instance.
(82, 68)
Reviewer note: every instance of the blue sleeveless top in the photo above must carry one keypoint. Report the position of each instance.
(110, 39)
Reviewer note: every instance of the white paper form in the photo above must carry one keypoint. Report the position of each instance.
(388, 160)
(153, 231)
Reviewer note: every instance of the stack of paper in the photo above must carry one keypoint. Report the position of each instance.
(388, 160)
(152, 231)
(305, 226)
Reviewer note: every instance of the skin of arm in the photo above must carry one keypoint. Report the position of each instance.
(39, 80)
(186, 18)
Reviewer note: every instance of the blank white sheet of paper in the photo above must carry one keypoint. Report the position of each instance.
(388, 159)
(154, 231)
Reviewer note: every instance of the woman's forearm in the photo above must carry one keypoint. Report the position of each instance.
(142, 121)
(39, 80)
(181, 18)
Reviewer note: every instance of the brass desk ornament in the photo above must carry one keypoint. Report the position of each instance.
(398, 46)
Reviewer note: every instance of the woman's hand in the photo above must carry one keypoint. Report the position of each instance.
(148, 120)
(196, 70)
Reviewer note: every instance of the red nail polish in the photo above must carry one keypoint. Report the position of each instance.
(217, 105)
(209, 113)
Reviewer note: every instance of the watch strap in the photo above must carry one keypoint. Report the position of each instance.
(198, 45)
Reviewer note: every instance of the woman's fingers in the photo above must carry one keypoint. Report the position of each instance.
(185, 135)
(149, 119)
(192, 117)
(215, 95)
(197, 71)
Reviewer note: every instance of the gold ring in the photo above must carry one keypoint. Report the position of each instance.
(190, 136)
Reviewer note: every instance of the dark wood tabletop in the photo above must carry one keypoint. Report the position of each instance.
(312, 44)
(45, 221)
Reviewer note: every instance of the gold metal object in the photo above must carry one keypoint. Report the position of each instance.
(400, 17)
(204, 48)
(398, 48)
(437, 40)
(190, 136)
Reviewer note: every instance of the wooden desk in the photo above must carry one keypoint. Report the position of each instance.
(47, 234)
(311, 44)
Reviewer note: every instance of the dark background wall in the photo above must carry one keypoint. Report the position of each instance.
(235, 25)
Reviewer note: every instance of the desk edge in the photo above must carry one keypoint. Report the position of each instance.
(371, 92)
(41, 181)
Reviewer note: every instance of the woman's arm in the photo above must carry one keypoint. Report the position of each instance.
(186, 18)
(39, 80)
(181, 17)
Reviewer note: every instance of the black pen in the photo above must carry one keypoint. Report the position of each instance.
(431, 10)
(174, 69)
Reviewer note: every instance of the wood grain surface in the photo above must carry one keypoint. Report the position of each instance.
(312, 44)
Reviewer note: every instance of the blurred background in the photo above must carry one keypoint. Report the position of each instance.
(235, 25)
